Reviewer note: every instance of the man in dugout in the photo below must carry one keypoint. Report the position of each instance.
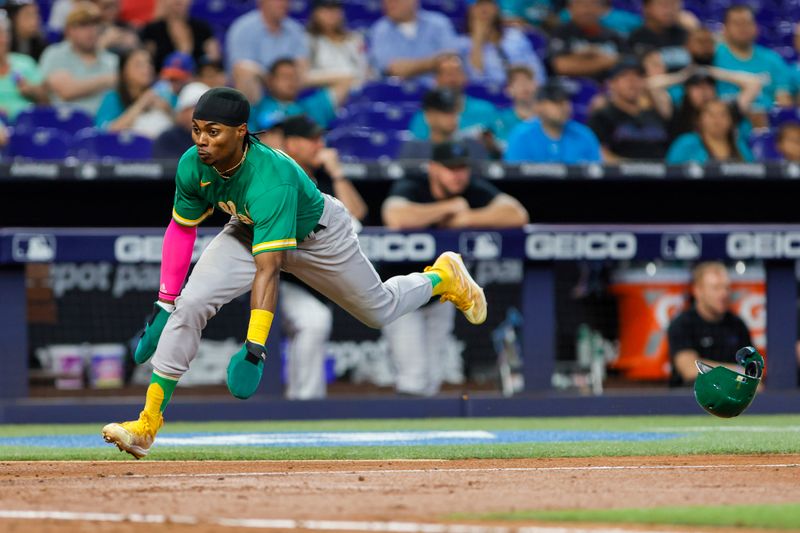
(709, 330)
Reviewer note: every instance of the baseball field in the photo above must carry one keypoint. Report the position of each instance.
(545, 475)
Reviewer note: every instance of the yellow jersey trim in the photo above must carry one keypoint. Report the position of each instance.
(269, 246)
(188, 222)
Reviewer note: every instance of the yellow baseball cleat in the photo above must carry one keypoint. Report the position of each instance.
(134, 437)
(459, 287)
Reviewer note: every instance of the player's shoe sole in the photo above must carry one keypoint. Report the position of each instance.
(126, 441)
(465, 294)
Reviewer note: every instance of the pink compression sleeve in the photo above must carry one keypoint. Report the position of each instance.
(176, 256)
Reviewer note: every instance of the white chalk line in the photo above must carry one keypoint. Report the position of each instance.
(284, 524)
(460, 470)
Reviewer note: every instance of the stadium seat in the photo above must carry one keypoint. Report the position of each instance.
(456, 10)
(389, 91)
(39, 143)
(67, 119)
(762, 143)
(491, 92)
(91, 143)
(220, 13)
(782, 115)
(538, 41)
(581, 91)
(364, 11)
(355, 144)
(379, 116)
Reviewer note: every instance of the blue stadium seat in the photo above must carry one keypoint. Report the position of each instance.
(91, 143)
(782, 115)
(39, 143)
(220, 13)
(364, 11)
(355, 144)
(389, 91)
(491, 92)
(581, 91)
(762, 143)
(63, 118)
(379, 116)
(456, 10)
(538, 41)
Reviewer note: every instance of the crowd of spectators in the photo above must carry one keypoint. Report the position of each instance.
(575, 81)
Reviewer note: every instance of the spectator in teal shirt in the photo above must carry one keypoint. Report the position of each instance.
(739, 52)
(476, 115)
(282, 98)
(521, 87)
(533, 12)
(134, 104)
(716, 139)
(20, 79)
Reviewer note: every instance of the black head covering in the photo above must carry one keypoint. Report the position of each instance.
(224, 105)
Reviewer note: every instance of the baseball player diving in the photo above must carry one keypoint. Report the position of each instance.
(279, 221)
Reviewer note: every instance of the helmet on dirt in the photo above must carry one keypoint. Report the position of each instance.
(726, 393)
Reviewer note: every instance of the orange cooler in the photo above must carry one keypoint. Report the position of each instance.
(648, 303)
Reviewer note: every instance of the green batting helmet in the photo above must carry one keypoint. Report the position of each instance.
(725, 393)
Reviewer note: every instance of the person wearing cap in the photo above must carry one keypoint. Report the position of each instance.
(306, 316)
(20, 79)
(336, 55)
(448, 198)
(440, 112)
(271, 132)
(257, 39)
(282, 96)
(177, 139)
(475, 115)
(134, 105)
(490, 49)
(627, 125)
(279, 221)
(175, 31)
(552, 137)
(679, 96)
(582, 46)
(27, 35)
(176, 72)
(76, 71)
(407, 41)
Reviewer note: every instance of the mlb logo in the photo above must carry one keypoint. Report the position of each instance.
(483, 245)
(684, 246)
(33, 248)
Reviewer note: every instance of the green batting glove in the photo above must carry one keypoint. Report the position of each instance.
(245, 370)
(152, 332)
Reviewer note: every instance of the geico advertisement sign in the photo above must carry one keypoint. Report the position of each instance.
(147, 248)
(542, 246)
(761, 245)
(398, 247)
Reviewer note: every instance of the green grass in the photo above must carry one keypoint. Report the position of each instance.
(703, 435)
(773, 516)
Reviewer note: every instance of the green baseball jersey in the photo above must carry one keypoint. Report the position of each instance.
(269, 192)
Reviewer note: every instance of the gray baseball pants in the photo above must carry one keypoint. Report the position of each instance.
(329, 261)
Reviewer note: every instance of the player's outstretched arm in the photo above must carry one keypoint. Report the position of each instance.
(247, 365)
(176, 256)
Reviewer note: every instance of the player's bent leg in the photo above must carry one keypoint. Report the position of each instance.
(136, 436)
(225, 270)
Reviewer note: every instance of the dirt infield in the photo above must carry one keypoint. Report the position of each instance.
(197, 496)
